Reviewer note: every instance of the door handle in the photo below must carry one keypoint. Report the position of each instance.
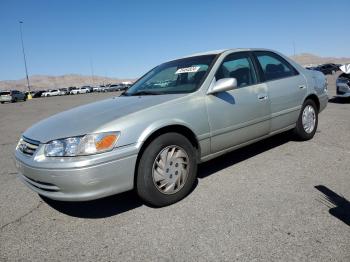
(302, 86)
(262, 97)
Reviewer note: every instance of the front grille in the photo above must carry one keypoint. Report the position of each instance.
(28, 146)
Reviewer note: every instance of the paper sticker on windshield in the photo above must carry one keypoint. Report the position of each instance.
(191, 69)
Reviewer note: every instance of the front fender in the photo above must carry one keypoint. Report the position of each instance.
(157, 125)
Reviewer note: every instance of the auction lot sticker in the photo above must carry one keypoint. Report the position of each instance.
(191, 69)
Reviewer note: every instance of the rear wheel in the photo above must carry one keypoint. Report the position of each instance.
(167, 170)
(306, 125)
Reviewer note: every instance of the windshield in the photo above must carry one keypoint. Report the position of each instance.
(179, 76)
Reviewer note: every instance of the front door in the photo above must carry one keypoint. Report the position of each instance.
(242, 114)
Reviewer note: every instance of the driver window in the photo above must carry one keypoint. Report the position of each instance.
(238, 66)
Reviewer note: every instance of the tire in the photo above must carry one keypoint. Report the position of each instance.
(307, 132)
(2, 102)
(182, 176)
(14, 100)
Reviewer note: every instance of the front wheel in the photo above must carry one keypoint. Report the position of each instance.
(167, 170)
(306, 125)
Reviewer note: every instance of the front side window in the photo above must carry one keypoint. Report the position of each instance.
(179, 76)
(274, 66)
(239, 66)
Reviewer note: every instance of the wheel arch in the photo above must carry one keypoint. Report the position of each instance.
(314, 98)
(171, 128)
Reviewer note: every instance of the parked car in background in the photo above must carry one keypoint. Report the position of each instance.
(111, 88)
(343, 85)
(124, 87)
(12, 96)
(80, 90)
(38, 93)
(72, 90)
(117, 87)
(88, 88)
(327, 69)
(98, 88)
(153, 137)
(63, 91)
(53, 92)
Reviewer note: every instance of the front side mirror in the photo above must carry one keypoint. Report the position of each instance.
(222, 85)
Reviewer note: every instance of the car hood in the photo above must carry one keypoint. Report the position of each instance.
(88, 118)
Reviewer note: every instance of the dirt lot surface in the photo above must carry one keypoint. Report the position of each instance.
(277, 200)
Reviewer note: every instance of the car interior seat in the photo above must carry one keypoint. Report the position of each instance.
(273, 71)
(243, 76)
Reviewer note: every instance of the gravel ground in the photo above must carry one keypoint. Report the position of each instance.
(277, 200)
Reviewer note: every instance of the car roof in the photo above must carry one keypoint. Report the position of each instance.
(216, 52)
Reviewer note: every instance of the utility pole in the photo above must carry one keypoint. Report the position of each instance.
(294, 47)
(24, 57)
(92, 72)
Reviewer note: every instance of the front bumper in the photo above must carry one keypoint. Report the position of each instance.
(80, 178)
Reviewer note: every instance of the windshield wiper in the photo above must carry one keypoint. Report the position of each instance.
(145, 93)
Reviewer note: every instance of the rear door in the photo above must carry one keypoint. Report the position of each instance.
(287, 88)
(242, 114)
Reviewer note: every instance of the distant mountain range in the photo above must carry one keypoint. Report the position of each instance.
(310, 59)
(39, 82)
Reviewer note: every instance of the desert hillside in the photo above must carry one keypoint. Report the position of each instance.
(38, 82)
(310, 59)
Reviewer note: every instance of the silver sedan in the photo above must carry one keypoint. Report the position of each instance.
(177, 115)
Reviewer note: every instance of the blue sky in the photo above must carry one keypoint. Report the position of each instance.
(127, 38)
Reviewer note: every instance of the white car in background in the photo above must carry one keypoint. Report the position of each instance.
(343, 82)
(80, 90)
(54, 92)
(98, 88)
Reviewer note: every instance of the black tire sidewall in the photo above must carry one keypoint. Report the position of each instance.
(299, 129)
(145, 186)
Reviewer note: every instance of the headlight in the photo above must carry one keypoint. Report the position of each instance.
(82, 145)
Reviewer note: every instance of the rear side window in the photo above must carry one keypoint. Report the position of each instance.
(274, 67)
(239, 66)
